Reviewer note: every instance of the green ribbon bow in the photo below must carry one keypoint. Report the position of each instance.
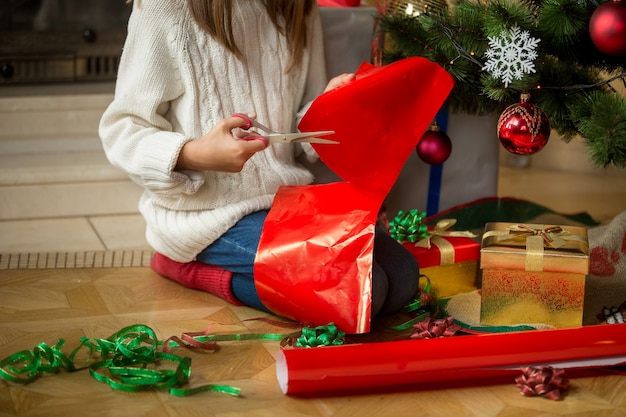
(328, 335)
(408, 226)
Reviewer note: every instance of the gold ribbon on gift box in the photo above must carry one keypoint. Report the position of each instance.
(436, 237)
(536, 238)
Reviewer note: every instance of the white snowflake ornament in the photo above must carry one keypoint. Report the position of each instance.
(511, 55)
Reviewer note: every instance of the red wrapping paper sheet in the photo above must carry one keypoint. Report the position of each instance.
(314, 259)
(451, 360)
(378, 119)
(307, 269)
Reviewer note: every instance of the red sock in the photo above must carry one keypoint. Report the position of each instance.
(197, 275)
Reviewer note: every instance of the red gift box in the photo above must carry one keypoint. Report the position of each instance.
(465, 249)
(450, 262)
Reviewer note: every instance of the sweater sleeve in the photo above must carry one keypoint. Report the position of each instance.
(136, 133)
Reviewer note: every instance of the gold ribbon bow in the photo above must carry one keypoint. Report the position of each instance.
(553, 236)
(536, 237)
(436, 236)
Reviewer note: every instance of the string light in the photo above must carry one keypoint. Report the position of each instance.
(410, 11)
(415, 8)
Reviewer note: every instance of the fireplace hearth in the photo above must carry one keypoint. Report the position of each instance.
(61, 41)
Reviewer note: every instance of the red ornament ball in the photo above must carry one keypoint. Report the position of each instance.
(523, 128)
(434, 147)
(607, 27)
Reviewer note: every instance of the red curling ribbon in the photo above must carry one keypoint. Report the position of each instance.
(188, 340)
(544, 381)
(431, 328)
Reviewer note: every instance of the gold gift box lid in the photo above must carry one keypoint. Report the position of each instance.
(535, 247)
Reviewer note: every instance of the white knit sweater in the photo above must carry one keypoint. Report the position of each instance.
(174, 83)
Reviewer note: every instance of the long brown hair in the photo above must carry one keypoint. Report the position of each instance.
(289, 17)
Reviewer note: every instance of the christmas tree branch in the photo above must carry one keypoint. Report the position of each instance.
(607, 82)
(462, 52)
(498, 49)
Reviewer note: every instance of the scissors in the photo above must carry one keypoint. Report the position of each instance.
(276, 137)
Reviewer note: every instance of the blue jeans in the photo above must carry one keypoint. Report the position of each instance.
(235, 251)
(394, 276)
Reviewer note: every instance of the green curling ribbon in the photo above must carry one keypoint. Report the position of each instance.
(125, 361)
(26, 366)
(408, 227)
(419, 306)
(328, 335)
(423, 299)
(239, 336)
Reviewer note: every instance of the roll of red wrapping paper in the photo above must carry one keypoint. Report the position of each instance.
(453, 359)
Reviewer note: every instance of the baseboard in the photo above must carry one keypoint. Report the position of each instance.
(69, 260)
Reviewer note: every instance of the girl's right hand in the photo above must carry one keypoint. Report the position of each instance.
(219, 150)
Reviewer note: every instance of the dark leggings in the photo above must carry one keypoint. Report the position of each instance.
(395, 275)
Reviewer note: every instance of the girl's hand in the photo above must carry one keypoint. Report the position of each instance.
(219, 150)
(338, 81)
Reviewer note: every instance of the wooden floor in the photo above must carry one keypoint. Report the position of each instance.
(43, 305)
(49, 289)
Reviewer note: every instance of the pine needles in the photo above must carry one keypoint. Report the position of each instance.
(574, 83)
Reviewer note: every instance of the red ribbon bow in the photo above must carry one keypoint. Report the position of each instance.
(544, 381)
(431, 328)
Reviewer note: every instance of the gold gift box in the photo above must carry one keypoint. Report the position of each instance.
(533, 274)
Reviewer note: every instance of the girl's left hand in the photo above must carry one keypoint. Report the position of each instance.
(338, 81)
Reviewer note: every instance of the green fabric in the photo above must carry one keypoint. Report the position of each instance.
(474, 215)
